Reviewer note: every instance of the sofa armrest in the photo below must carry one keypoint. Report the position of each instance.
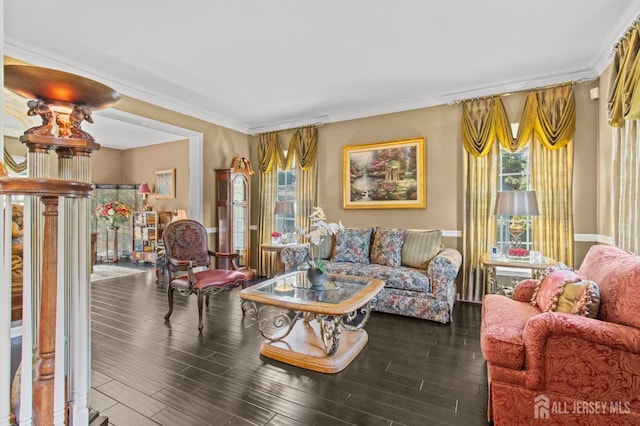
(523, 291)
(442, 270)
(581, 356)
(294, 256)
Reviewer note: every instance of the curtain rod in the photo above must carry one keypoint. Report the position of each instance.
(319, 124)
(533, 89)
(626, 33)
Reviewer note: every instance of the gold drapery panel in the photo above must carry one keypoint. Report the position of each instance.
(624, 113)
(268, 153)
(12, 166)
(626, 186)
(547, 113)
(624, 98)
(479, 226)
(552, 179)
(305, 144)
(302, 148)
(547, 125)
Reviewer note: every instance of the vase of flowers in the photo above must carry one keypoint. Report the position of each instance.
(318, 230)
(275, 237)
(112, 212)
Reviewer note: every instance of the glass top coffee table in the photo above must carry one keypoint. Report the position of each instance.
(331, 332)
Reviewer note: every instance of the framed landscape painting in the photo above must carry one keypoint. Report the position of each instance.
(165, 183)
(384, 175)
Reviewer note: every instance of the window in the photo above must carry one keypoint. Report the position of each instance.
(513, 174)
(286, 191)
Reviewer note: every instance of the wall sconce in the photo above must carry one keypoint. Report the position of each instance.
(514, 204)
(144, 190)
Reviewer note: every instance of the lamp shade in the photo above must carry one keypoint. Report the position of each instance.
(517, 203)
(285, 207)
(144, 188)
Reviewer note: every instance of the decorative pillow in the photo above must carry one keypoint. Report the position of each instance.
(386, 248)
(352, 245)
(565, 291)
(420, 247)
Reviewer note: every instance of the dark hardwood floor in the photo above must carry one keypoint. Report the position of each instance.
(146, 371)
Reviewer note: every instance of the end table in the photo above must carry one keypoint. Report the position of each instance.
(490, 263)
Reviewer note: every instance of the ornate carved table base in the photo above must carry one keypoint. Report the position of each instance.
(320, 330)
(324, 343)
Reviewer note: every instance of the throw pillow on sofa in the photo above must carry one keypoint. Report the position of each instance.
(565, 291)
(352, 245)
(419, 247)
(386, 248)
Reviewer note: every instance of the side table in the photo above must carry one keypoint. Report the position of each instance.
(277, 248)
(490, 264)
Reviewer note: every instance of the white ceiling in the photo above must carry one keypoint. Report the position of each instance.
(266, 65)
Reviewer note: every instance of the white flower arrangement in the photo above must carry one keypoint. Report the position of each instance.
(319, 229)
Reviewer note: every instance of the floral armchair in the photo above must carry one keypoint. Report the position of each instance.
(562, 367)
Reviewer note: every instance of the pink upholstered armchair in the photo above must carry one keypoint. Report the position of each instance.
(567, 368)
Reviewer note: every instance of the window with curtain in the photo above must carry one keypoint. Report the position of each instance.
(286, 193)
(513, 175)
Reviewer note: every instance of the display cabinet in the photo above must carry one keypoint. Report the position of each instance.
(233, 207)
(147, 235)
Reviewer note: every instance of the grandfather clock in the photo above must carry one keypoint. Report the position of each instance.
(233, 204)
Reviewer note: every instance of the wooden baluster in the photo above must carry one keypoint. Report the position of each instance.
(43, 387)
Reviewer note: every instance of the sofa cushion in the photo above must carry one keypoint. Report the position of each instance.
(503, 322)
(386, 248)
(565, 291)
(419, 247)
(352, 245)
(402, 277)
(344, 268)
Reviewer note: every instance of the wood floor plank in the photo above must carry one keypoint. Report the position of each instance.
(151, 371)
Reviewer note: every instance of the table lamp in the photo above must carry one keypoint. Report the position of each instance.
(516, 204)
(144, 190)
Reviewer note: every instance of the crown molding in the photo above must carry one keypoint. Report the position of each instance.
(39, 58)
(605, 57)
(444, 99)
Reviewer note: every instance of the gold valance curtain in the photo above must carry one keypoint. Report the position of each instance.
(547, 124)
(12, 166)
(624, 113)
(302, 147)
(549, 114)
(624, 99)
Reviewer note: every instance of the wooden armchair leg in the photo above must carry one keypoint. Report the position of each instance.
(170, 297)
(200, 297)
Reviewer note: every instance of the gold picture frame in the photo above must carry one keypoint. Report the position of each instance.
(384, 175)
(165, 181)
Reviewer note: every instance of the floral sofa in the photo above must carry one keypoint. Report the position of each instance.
(418, 271)
(578, 362)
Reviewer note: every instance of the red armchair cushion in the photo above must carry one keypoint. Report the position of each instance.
(617, 272)
(503, 322)
(211, 278)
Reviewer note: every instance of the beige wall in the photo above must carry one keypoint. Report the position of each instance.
(139, 165)
(440, 125)
(106, 166)
(220, 145)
